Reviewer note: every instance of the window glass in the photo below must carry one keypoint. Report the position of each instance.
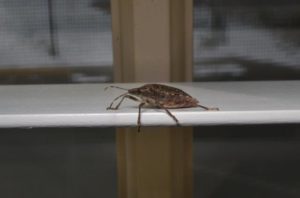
(246, 40)
(56, 41)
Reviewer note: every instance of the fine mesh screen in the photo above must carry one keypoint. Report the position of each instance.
(55, 34)
(246, 40)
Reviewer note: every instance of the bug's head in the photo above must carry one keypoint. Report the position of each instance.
(135, 91)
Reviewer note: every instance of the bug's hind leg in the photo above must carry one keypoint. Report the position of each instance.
(209, 108)
(172, 116)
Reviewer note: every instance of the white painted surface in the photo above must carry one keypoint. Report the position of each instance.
(85, 105)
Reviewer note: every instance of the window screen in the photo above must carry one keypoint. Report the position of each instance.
(44, 41)
(246, 40)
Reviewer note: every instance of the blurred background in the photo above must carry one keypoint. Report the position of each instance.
(70, 41)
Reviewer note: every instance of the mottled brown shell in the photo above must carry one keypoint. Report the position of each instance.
(163, 96)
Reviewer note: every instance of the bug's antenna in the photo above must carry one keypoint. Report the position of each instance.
(115, 87)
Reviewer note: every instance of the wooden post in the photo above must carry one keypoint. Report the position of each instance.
(153, 43)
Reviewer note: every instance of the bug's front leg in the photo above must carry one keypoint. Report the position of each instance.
(111, 104)
(122, 99)
(139, 117)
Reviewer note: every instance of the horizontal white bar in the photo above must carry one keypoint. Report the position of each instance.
(84, 105)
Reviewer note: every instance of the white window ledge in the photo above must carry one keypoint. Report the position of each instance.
(84, 105)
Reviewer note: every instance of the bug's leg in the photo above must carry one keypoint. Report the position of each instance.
(172, 116)
(139, 117)
(126, 96)
(111, 104)
(118, 105)
(209, 108)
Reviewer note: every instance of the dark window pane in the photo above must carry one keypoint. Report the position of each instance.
(247, 161)
(61, 163)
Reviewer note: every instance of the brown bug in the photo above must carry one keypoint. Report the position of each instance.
(158, 96)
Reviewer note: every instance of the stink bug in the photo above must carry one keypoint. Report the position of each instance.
(160, 97)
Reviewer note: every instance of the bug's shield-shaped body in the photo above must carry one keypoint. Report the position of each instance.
(158, 96)
(162, 96)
